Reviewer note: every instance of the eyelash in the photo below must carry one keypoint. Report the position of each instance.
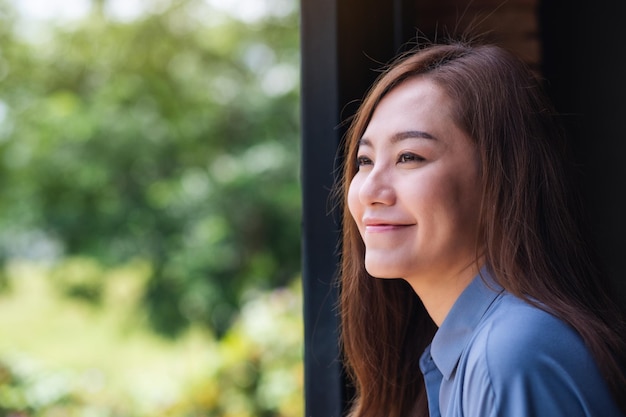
(402, 158)
(409, 157)
(363, 160)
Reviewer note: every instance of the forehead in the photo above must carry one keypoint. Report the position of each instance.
(417, 103)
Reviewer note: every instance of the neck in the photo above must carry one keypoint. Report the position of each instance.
(439, 293)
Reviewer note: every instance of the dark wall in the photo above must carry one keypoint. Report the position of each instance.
(584, 63)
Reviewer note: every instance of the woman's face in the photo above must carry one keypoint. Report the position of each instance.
(416, 195)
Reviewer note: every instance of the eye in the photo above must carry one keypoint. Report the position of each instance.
(363, 160)
(409, 157)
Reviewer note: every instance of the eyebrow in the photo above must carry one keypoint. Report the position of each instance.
(400, 136)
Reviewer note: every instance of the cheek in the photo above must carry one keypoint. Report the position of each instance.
(469, 191)
(464, 197)
(452, 199)
(354, 204)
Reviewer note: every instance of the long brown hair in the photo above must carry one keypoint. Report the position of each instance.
(532, 239)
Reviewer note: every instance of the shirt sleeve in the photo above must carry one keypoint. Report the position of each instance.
(540, 368)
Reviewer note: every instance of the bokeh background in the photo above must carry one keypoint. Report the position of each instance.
(149, 208)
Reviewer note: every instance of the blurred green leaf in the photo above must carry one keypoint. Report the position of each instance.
(171, 137)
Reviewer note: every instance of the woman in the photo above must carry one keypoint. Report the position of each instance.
(485, 302)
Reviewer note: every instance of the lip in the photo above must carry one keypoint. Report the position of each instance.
(380, 225)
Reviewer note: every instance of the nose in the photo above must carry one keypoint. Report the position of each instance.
(377, 188)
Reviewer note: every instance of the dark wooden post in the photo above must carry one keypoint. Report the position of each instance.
(342, 43)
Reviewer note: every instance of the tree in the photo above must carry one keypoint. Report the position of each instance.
(172, 137)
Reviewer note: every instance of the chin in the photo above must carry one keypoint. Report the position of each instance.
(381, 272)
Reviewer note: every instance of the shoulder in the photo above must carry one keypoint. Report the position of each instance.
(531, 360)
(515, 335)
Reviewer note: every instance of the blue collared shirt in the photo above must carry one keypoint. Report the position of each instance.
(496, 355)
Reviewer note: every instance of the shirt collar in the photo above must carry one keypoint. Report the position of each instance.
(458, 326)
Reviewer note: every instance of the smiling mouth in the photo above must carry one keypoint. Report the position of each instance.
(380, 228)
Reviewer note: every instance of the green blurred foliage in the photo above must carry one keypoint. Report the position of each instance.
(254, 370)
(172, 137)
(260, 372)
